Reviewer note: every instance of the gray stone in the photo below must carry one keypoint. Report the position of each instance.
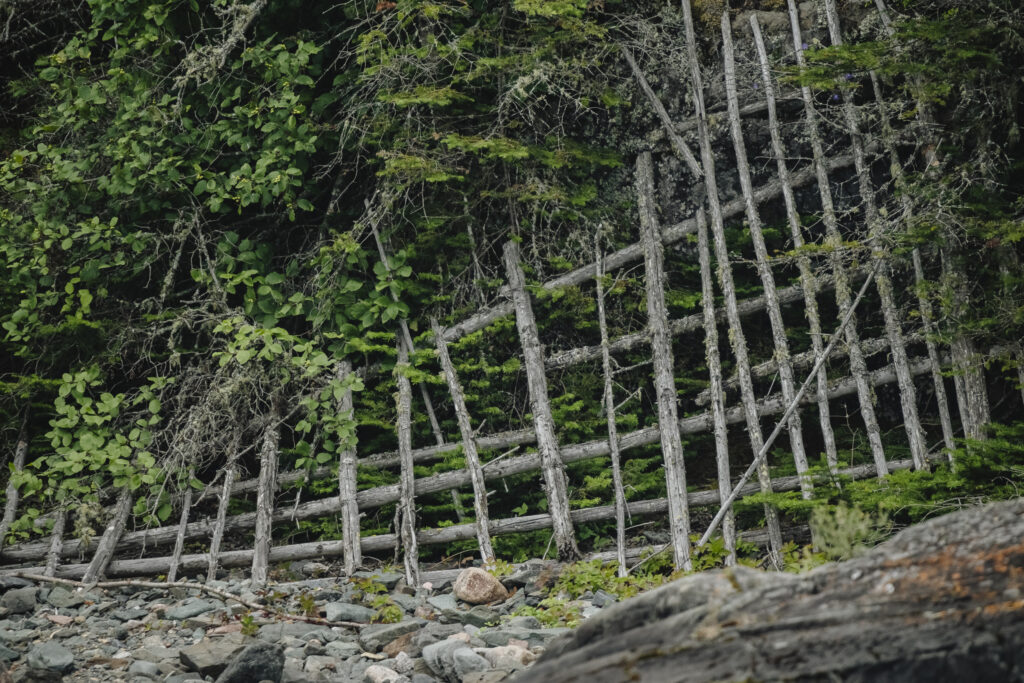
(440, 658)
(492, 676)
(423, 678)
(478, 587)
(523, 622)
(17, 636)
(9, 582)
(533, 637)
(258, 661)
(7, 654)
(342, 649)
(128, 614)
(407, 602)
(190, 609)
(603, 599)
(275, 632)
(345, 611)
(317, 663)
(210, 657)
(27, 674)
(61, 598)
(51, 655)
(375, 673)
(434, 632)
(372, 638)
(479, 616)
(465, 661)
(147, 669)
(19, 600)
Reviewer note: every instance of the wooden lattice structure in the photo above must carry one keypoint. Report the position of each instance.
(851, 353)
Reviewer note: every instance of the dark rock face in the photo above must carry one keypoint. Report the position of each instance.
(257, 662)
(942, 601)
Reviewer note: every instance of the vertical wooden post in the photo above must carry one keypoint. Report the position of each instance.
(265, 494)
(609, 409)
(407, 503)
(893, 327)
(476, 473)
(725, 279)
(714, 362)
(858, 365)
(108, 542)
(352, 550)
(179, 540)
(972, 391)
(664, 376)
(222, 515)
(556, 486)
(808, 282)
(764, 269)
(406, 336)
(56, 541)
(11, 502)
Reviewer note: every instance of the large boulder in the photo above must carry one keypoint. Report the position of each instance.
(259, 661)
(942, 601)
(478, 587)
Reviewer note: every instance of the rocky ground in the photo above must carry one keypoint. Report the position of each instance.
(453, 631)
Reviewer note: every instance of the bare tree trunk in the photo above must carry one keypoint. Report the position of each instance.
(347, 484)
(893, 326)
(56, 541)
(222, 513)
(678, 144)
(736, 336)
(972, 395)
(714, 362)
(406, 527)
(764, 269)
(108, 542)
(664, 377)
(858, 366)
(265, 496)
(12, 494)
(476, 473)
(609, 409)
(179, 541)
(556, 486)
(406, 337)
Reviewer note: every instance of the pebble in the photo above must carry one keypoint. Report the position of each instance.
(55, 633)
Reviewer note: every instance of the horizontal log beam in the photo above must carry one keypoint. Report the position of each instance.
(198, 562)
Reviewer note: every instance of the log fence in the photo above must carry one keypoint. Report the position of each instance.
(847, 376)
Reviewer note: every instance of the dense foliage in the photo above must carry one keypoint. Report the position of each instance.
(193, 193)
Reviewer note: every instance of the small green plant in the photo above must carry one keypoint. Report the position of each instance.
(249, 625)
(387, 611)
(368, 588)
(797, 559)
(552, 612)
(842, 532)
(308, 605)
(500, 568)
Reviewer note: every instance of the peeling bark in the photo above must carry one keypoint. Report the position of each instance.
(265, 497)
(406, 513)
(347, 484)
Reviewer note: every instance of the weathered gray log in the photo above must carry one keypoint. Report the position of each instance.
(179, 541)
(97, 567)
(922, 606)
(883, 283)
(265, 495)
(56, 541)
(618, 491)
(858, 366)
(11, 494)
(972, 390)
(717, 393)
(386, 542)
(476, 473)
(556, 483)
(808, 281)
(406, 513)
(382, 495)
(736, 337)
(222, 513)
(764, 271)
(634, 252)
(664, 370)
(680, 147)
(347, 482)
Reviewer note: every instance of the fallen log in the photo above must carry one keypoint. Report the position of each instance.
(940, 601)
